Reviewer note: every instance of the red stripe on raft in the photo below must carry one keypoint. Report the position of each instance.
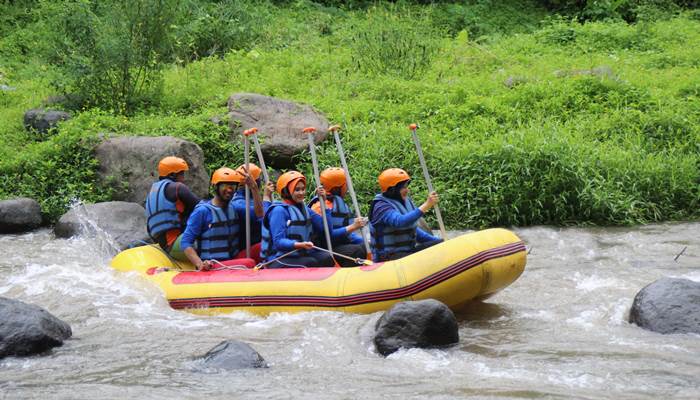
(263, 275)
(357, 299)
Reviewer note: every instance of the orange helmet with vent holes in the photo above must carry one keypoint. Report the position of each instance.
(172, 165)
(334, 177)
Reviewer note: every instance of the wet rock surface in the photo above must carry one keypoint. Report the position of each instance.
(26, 329)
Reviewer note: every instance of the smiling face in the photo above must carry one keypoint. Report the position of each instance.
(225, 190)
(299, 192)
(404, 192)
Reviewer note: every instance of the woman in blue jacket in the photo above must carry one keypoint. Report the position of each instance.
(394, 218)
(289, 224)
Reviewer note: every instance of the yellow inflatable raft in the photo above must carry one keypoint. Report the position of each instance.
(471, 266)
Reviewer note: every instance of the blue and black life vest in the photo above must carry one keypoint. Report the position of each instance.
(161, 213)
(390, 239)
(220, 241)
(299, 228)
(341, 216)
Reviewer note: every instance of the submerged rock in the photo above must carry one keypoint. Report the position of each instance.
(19, 215)
(123, 222)
(425, 324)
(669, 305)
(280, 123)
(26, 329)
(232, 354)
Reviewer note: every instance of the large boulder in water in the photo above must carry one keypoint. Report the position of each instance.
(231, 354)
(425, 324)
(669, 305)
(19, 215)
(280, 124)
(119, 222)
(26, 329)
(130, 165)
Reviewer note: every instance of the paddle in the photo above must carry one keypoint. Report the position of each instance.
(261, 160)
(426, 174)
(322, 201)
(341, 153)
(246, 162)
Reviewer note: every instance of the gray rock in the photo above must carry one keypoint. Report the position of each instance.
(19, 215)
(119, 222)
(280, 124)
(230, 355)
(26, 329)
(42, 121)
(425, 324)
(669, 305)
(130, 165)
(6, 88)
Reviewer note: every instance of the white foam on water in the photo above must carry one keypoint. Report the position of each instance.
(593, 282)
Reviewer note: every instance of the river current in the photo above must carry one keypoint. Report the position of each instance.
(559, 332)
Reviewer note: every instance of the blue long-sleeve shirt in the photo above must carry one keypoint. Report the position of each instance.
(198, 223)
(278, 228)
(384, 214)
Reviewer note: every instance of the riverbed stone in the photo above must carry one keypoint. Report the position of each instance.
(27, 329)
(279, 122)
(41, 120)
(230, 355)
(19, 215)
(123, 223)
(668, 305)
(129, 165)
(424, 324)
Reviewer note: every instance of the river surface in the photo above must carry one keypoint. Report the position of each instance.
(559, 332)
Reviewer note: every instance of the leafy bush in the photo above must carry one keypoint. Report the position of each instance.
(111, 52)
(393, 43)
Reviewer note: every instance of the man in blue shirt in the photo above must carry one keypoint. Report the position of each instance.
(394, 218)
(213, 226)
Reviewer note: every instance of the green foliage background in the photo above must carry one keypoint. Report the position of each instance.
(527, 116)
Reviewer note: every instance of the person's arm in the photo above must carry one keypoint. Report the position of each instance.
(278, 232)
(195, 227)
(423, 236)
(185, 195)
(394, 218)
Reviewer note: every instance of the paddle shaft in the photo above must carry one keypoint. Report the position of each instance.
(428, 181)
(344, 163)
(246, 161)
(322, 202)
(261, 160)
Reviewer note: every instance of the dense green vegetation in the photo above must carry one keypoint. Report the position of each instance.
(527, 117)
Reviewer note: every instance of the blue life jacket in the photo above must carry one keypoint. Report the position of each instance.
(299, 228)
(220, 241)
(341, 216)
(390, 239)
(255, 227)
(161, 213)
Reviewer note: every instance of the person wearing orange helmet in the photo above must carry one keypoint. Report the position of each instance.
(257, 209)
(339, 214)
(289, 225)
(213, 226)
(394, 218)
(168, 206)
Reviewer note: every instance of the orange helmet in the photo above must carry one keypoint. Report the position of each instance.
(254, 170)
(391, 177)
(334, 177)
(225, 175)
(289, 178)
(171, 165)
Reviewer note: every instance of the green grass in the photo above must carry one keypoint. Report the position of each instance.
(560, 147)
